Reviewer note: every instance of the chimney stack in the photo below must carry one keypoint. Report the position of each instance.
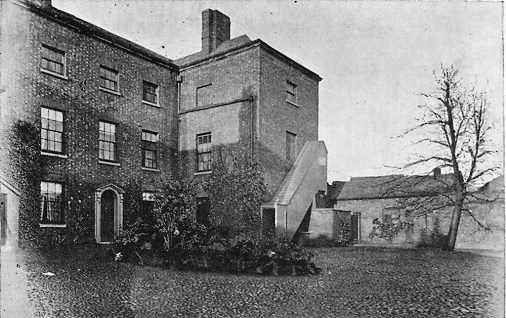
(45, 4)
(436, 172)
(215, 29)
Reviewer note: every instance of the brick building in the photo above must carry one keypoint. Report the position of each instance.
(244, 96)
(114, 117)
(105, 109)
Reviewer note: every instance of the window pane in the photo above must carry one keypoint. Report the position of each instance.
(203, 152)
(291, 145)
(51, 130)
(149, 149)
(51, 202)
(59, 126)
(106, 141)
(108, 79)
(291, 92)
(52, 60)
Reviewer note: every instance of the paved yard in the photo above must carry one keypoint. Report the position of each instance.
(356, 282)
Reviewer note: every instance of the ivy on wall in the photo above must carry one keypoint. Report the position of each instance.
(236, 190)
(28, 168)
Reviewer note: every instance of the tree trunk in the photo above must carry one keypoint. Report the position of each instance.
(454, 225)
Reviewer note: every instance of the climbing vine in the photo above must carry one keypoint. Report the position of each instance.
(28, 168)
(388, 231)
(236, 190)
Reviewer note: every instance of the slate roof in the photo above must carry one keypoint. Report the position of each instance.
(335, 189)
(395, 186)
(493, 188)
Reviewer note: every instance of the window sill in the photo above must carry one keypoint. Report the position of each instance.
(50, 154)
(202, 173)
(109, 163)
(150, 169)
(292, 103)
(151, 104)
(52, 225)
(109, 91)
(54, 74)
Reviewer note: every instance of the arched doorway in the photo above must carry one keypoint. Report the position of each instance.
(107, 209)
(108, 213)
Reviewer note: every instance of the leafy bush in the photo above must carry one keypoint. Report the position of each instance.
(433, 239)
(203, 248)
(387, 231)
(285, 257)
(137, 238)
(174, 204)
(173, 234)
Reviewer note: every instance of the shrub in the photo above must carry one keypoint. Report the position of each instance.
(137, 238)
(174, 204)
(433, 239)
(285, 257)
(387, 231)
(206, 248)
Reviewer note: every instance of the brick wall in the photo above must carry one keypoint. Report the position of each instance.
(78, 96)
(470, 234)
(277, 116)
(229, 110)
(248, 72)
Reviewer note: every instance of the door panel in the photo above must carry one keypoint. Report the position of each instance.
(3, 218)
(107, 207)
(203, 209)
(268, 222)
(355, 227)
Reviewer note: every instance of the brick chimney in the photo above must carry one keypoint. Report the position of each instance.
(215, 29)
(46, 4)
(436, 172)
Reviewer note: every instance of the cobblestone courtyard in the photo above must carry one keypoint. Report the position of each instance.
(356, 282)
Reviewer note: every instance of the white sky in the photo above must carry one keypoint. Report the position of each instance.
(374, 57)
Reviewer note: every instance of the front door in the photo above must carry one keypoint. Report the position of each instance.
(203, 210)
(268, 222)
(355, 227)
(107, 212)
(3, 218)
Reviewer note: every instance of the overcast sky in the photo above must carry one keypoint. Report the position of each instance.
(375, 58)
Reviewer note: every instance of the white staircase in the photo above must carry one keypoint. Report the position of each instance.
(307, 176)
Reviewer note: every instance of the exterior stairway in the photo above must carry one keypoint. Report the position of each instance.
(307, 176)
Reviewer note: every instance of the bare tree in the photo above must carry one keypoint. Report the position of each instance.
(454, 130)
